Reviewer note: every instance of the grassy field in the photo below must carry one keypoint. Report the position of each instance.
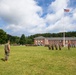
(38, 61)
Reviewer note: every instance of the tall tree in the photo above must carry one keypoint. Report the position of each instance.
(3, 36)
(29, 41)
(22, 39)
(13, 39)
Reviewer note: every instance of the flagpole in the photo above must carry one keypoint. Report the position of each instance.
(64, 37)
(63, 33)
(65, 10)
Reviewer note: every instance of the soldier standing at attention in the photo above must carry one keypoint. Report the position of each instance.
(52, 47)
(56, 47)
(59, 45)
(68, 45)
(49, 47)
(7, 50)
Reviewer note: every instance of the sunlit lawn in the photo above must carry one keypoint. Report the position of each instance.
(26, 60)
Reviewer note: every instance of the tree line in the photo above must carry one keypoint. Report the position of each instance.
(4, 37)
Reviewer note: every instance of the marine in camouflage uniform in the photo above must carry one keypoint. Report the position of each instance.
(52, 46)
(59, 45)
(68, 45)
(56, 47)
(7, 50)
(49, 47)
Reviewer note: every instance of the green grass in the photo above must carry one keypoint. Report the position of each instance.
(38, 61)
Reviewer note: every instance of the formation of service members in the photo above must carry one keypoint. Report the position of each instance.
(54, 46)
(59, 46)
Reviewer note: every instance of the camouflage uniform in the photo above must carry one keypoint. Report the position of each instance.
(56, 47)
(7, 50)
(52, 47)
(68, 45)
(49, 47)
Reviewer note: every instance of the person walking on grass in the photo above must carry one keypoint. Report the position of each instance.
(7, 50)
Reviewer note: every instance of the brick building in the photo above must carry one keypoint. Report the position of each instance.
(54, 40)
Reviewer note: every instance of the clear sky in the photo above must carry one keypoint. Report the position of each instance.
(30, 17)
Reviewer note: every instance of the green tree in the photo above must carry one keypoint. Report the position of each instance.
(13, 39)
(3, 36)
(29, 41)
(22, 40)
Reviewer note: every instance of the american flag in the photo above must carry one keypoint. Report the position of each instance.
(66, 10)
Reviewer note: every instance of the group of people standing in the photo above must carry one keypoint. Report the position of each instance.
(70, 45)
(54, 46)
(59, 46)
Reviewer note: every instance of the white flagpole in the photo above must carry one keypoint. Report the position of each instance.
(64, 37)
(63, 33)
(65, 10)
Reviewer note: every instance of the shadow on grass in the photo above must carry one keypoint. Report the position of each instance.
(2, 59)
